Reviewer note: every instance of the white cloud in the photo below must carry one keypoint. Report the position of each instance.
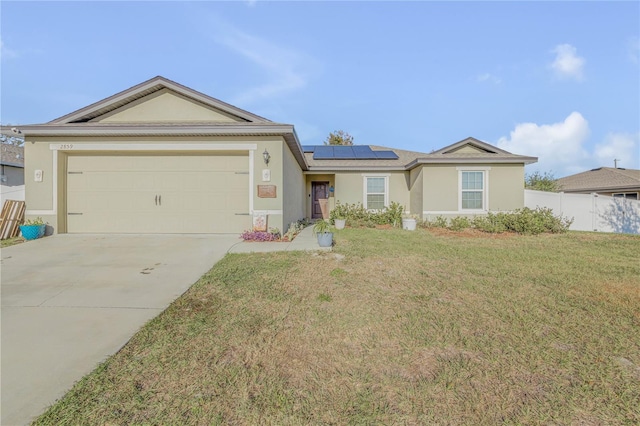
(567, 63)
(286, 70)
(487, 77)
(563, 149)
(559, 146)
(621, 146)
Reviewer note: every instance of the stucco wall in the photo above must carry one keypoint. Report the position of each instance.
(293, 189)
(349, 187)
(441, 188)
(416, 184)
(506, 187)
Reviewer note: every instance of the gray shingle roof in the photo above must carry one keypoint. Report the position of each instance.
(11, 155)
(409, 159)
(601, 179)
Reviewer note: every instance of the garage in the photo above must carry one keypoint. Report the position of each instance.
(161, 158)
(165, 193)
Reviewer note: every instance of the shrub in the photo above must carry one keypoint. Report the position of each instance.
(294, 229)
(357, 215)
(439, 222)
(533, 222)
(459, 223)
(492, 223)
(523, 221)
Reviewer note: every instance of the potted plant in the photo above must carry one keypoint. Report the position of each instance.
(33, 228)
(340, 222)
(322, 229)
(409, 222)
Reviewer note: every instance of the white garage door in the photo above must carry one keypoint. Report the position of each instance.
(158, 194)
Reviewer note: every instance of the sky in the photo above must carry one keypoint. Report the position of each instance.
(556, 80)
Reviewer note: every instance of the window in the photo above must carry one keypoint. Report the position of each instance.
(627, 195)
(472, 190)
(376, 192)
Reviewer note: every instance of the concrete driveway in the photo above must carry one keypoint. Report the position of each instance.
(70, 301)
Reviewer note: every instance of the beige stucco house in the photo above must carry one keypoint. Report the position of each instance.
(163, 158)
(614, 182)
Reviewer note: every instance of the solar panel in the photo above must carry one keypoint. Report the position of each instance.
(355, 152)
(343, 153)
(386, 155)
(323, 153)
(363, 152)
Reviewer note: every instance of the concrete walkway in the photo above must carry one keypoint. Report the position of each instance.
(304, 241)
(70, 301)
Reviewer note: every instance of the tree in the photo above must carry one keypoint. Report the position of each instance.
(542, 182)
(339, 137)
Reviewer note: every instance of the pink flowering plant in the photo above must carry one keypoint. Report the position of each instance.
(272, 235)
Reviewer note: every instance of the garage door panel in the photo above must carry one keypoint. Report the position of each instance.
(158, 194)
(145, 181)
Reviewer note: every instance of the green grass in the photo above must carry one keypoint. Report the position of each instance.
(424, 327)
(11, 242)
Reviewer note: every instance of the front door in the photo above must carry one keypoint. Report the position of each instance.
(319, 191)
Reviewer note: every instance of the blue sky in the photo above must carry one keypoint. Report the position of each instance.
(557, 80)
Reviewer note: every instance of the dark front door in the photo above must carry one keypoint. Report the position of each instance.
(319, 191)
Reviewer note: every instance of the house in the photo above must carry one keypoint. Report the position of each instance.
(11, 165)
(163, 158)
(616, 182)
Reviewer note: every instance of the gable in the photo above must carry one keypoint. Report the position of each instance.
(143, 92)
(467, 149)
(165, 106)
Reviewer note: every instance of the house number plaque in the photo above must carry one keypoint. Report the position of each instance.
(267, 191)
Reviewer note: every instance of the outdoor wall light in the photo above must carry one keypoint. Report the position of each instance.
(266, 156)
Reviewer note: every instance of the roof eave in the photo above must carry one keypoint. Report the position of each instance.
(473, 160)
(602, 189)
(85, 129)
(355, 168)
(7, 163)
(287, 131)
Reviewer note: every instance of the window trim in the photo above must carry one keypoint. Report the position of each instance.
(624, 195)
(365, 176)
(485, 188)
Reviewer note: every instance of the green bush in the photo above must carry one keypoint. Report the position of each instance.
(440, 222)
(357, 215)
(523, 221)
(459, 223)
(492, 223)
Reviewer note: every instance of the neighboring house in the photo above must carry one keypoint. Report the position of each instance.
(614, 182)
(11, 165)
(163, 158)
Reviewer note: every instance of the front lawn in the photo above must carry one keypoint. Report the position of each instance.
(393, 327)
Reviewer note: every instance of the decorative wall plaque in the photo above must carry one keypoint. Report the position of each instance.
(267, 191)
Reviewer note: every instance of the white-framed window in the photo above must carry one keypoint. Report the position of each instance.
(376, 191)
(473, 189)
(627, 195)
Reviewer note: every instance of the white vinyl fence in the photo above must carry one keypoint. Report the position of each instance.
(590, 212)
(12, 192)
